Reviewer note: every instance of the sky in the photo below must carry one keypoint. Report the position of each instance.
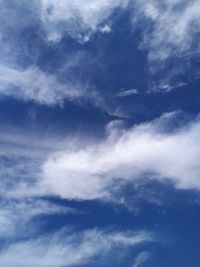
(99, 133)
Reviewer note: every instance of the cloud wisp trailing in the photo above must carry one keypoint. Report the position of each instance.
(16, 216)
(68, 248)
(32, 84)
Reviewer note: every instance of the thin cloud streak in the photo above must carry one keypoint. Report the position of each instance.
(69, 248)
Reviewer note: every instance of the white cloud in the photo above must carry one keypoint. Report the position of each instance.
(124, 93)
(148, 150)
(105, 29)
(68, 249)
(77, 18)
(80, 169)
(55, 18)
(175, 24)
(16, 215)
(141, 259)
(33, 84)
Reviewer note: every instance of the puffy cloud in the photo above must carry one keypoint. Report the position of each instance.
(148, 150)
(68, 249)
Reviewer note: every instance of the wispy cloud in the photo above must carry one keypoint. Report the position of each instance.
(77, 169)
(175, 24)
(141, 259)
(16, 216)
(34, 85)
(170, 34)
(67, 248)
(124, 93)
(79, 20)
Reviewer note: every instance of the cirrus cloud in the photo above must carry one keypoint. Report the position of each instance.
(67, 248)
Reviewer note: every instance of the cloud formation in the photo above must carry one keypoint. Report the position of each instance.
(148, 150)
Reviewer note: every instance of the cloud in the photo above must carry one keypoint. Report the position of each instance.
(68, 249)
(175, 25)
(141, 259)
(170, 36)
(124, 93)
(16, 215)
(22, 41)
(77, 19)
(20, 159)
(105, 29)
(32, 84)
(75, 168)
(54, 19)
(147, 150)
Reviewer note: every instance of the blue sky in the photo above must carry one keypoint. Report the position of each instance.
(99, 133)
